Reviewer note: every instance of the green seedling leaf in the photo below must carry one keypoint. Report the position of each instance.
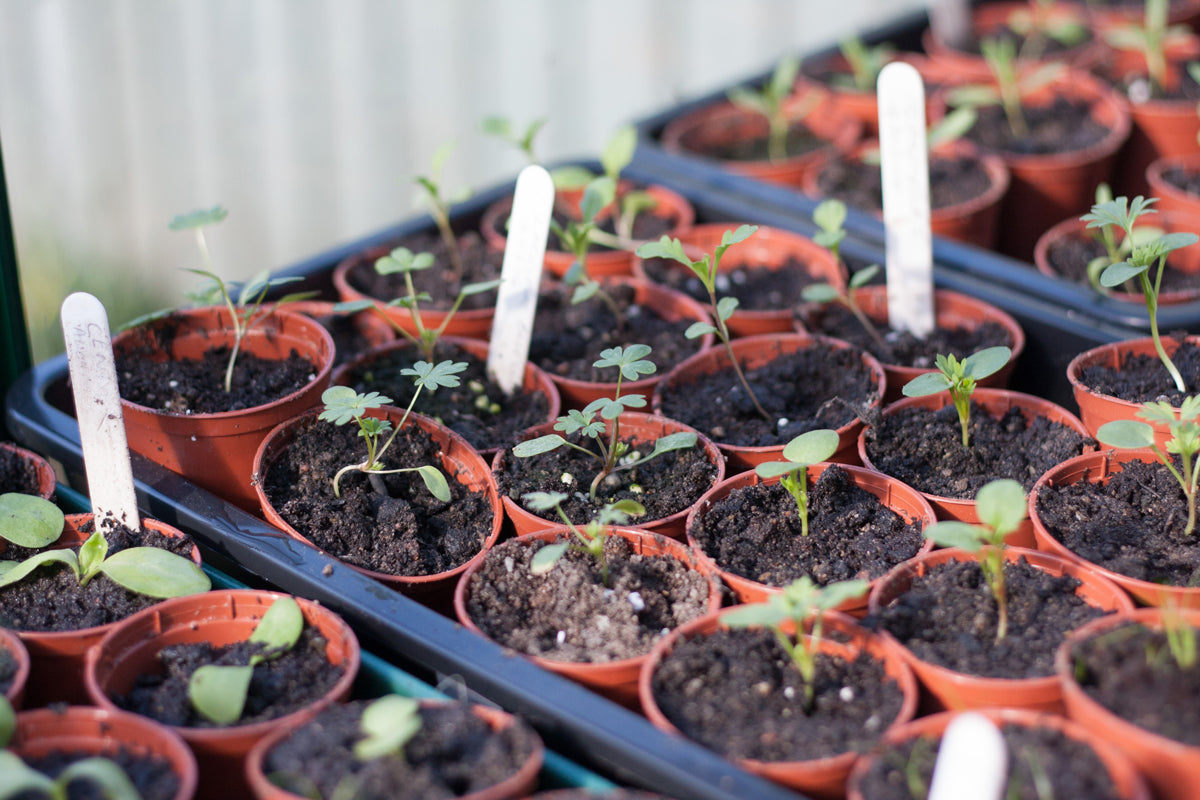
(198, 219)
(954, 533)
(543, 501)
(495, 125)
(1001, 505)
(112, 781)
(1170, 242)
(986, 362)
(16, 778)
(1126, 433)
(542, 444)
(1116, 274)
(618, 151)
(925, 384)
(863, 276)
(403, 260)
(666, 247)
(834, 594)
(280, 627)
(343, 404)
(598, 194)
(29, 521)
(698, 329)
(479, 288)
(755, 615)
(812, 447)
(571, 177)
(973, 96)
(830, 216)
(773, 469)
(155, 573)
(544, 560)
(8, 723)
(819, 293)
(91, 555)
(219, 693)
(725, 308)
(952, 127)
(435, 482)
(673, 441)
(740, 234)
(388, 724)
(431, 376)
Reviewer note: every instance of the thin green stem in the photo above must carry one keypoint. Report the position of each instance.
(1151, 295)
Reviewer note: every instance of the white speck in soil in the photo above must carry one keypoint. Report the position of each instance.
(782, 423)
(562, 637)
(873, 723)
(173, 384)
(762, 688)
(508, 564)
(846, 694)
(789, 692)
(636, 601)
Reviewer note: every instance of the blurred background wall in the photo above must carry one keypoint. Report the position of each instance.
(308, 119)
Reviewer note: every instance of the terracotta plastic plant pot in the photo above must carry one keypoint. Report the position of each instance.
(636, 428)
(903, 499)
(103, 732)
(666, 303)
(1185, 260)
(519, 784)
(1053, 186)
(957, 690)
(602, 262)
(1096, 409)
(373, 329)
(11, 643)
(723, 123)
(131, 649)
(216, 451)
(770, 248)
(996, 402)
(973, 221)
(57, 657)
(1171, 767)
(820, 778)
(1097, 468)
(753, 352)
(47, 481)
(616, 680)
(1124, 775)
(850, 102)
(535, 379)
(460, 462)
(951, 310)
(1172, 198)
(475, 323)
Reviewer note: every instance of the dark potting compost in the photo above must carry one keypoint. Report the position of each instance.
(1070, 256)
(647, 226)
(348, 338)
(8, 670)
(725, 140)
(479, 263)
(1132, 523)
(1058, 127)
(150, 774)
(924, 448)
(948, 617)
(757, 288)
(1130, 671)
(902, 348)
(1144, 379)
(1183, 178)
(569, 614)
(17, 474)
(952, 180)
(738, 693)
(290, 681)
(755, 532)
(1072, 768)
(408, 531)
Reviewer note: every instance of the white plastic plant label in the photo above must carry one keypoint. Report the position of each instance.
(98, 409)
(905, 170)
(520, 276)
(972, 761)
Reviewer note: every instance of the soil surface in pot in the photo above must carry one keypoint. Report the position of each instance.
(570, 614)
(348, 339)
(755, 532)
(1184, 179)
(150, 774)
(1072, 768)
(408, 531)
(902, 348)
(1143, 378)
(455, 753)
(567, 339)
(51, 599)
(1069, 257)
(286, 683)
(8, 670)
(757, 288)
(1132, 524)
(813, 387)
(713, 142)
(197, 386)
(952, 180)
(948, 617)
(669, 483)
(1131, 672)
(477, 409)
(17, 474)
(738, 693)
(924, 448)
(647, 226)
(1061, 126)
(1138, 89)
(479, 263)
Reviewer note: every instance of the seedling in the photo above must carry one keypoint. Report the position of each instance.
(1181, 636)
(1184, 430)
(829, 217)
(147, 571)
(1001, 508)
(864, 61)
(1120, 213)
(248, 309)
(576, 237)
(705, 269)
(959, 377)
(439, 204)
(1153, 38)
(631, 364)
(343, 404)
(404, 261)
(590, 540)
(29, 521)
(771, 102)
(1114, 251)
(505, 130)
(218, 693)
(1043, 22)
(797, 602)
(800, 453)
(18, 779)
(1011, 83)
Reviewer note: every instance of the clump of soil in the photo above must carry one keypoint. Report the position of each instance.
(1132, 523)
(1057, 127)
(756, 287)
(150, 774)
(756, 533)
(1130, 671)
(952, 180)
(405, 531)
(17, 473)
(279, 686)
(1143, 378)
(924, 448)
(1070, 255)
(1072, 768)
(737, 692)
(570, 614)
(480, 263)
(455, 753)
(949, 617)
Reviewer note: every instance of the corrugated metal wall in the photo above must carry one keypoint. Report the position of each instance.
(308, 119)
